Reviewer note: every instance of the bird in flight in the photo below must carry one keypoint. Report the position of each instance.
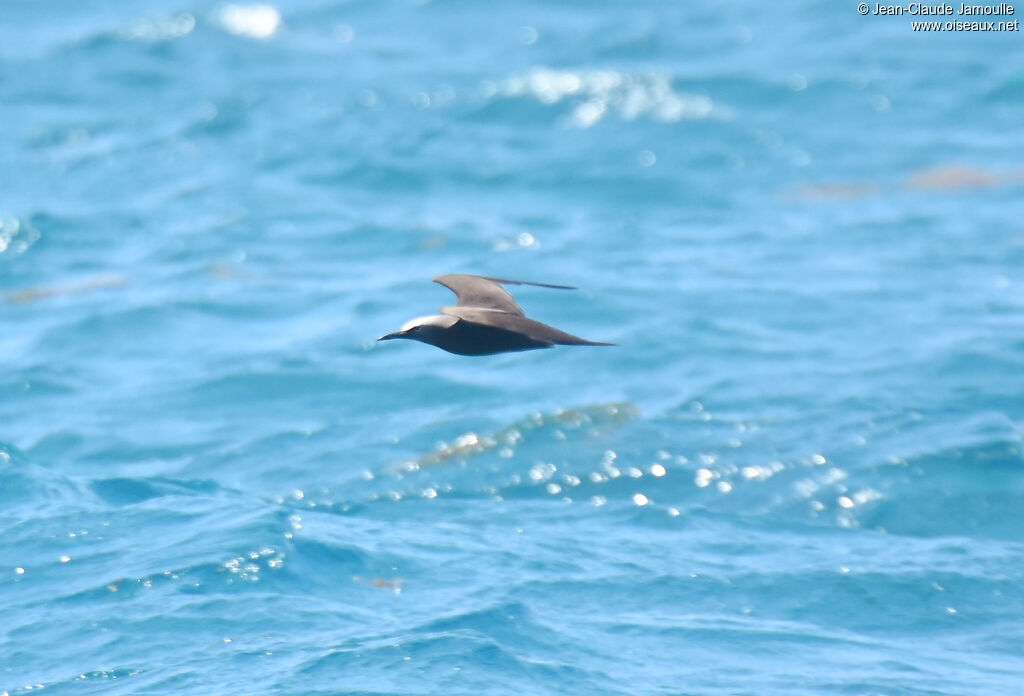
(485, 320)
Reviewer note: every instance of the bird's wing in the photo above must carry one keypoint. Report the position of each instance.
(518, 324)
(487, 293)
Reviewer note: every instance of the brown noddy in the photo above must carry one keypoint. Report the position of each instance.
(485, 320)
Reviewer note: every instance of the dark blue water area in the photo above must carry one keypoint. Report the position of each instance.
(799, 472)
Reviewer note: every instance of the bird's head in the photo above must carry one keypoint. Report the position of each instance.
(422, 328)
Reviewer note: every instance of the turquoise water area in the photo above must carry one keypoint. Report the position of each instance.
(799, 473)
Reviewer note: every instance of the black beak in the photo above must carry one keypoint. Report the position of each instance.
(388, 337)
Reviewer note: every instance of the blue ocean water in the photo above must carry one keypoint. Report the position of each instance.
(800, 471)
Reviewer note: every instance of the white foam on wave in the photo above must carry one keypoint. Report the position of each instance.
(253, 21)
(16, 236)
(163, 29)
(597, 94)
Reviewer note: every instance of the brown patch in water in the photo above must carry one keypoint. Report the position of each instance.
(36, 294)
(952, 179)
(939, 179)
(380, 583)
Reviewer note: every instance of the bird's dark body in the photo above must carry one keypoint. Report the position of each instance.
(467, 338)
(486, 320)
